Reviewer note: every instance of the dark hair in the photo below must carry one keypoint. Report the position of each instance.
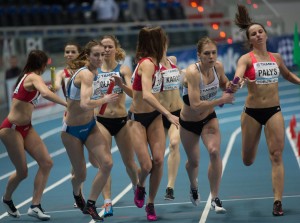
(244, 21)
(81, 60)
(204, 40)
(120, 53)
(73, 43)
(36, 62)
(151, 43)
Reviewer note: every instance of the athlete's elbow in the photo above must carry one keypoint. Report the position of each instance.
(84, 106)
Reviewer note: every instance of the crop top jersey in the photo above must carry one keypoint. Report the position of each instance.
(207, 92)
(171, 77)
(73, 92)
(22, 94)
(156, 78)
(263, 72)
(104, 80)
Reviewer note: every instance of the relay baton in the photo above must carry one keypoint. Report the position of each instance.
(109, 90)
(228, 90)
(52, 70)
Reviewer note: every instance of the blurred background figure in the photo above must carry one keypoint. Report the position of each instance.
(107, 10)
(137, 10)
(14, 70)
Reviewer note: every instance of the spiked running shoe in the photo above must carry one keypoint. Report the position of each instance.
(38, 212)
(10, 208)
(277, 208)
(91, 210)
(139, 196)
(169, 194)
(108, 210)
(79, 201)
(216, 205)
(194, 196)
(151, 215)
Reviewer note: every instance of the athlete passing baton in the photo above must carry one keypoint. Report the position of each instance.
(109, 90)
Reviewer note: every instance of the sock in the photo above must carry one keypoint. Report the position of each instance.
(91, 203)
(107, 201)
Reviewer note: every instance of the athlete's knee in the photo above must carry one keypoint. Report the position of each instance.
(80, 176)
(107, 165)
(214, 153)
(22, 173)
(146, 167)
(158, 161)
(276, 156)
(47, 164)
(192, 163)
(174, 144)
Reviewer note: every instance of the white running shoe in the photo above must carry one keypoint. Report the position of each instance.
(38, 213)
(216, 205)
(10, 208)
(195, 197)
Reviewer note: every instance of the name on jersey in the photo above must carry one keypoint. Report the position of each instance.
(268, 72)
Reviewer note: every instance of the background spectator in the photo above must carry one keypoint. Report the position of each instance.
(107, 10)
(14, 70)
(137, 10)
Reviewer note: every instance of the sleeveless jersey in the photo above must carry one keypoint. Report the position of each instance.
(73, 92)
(207, 92)
(263, 72)
(156, 79)
(171, 77)
(22, 94)
(104, 81)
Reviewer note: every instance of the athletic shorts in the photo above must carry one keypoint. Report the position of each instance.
(113, 125)
(144, 118)
(80, 132)
(23, 130)
(262, 115)
(166, 122)
(196, 127)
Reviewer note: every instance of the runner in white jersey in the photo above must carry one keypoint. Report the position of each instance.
(198, 118)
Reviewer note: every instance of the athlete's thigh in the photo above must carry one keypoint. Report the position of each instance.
(124, 142)
(190, 142)
(174, 134)
(274, 131)
(35, 146)
(74, 148)
(139, 141)
(211, 135)
(156, 137)
(14, 145)
(98, 146)
(251, 131)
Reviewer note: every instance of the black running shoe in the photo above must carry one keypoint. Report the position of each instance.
(277, 208)
(169, 194)
(10, 208)
(79, 200)
(216, 205)
(91, 210)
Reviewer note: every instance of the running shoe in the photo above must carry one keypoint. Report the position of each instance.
(216, 205)
(108, 210)
(194, 196)
(169, 194)
(91, 210)
(139, 196)
(10, 208)
(79, 201)
(277, 208)
(38, 212)
(151, 215)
